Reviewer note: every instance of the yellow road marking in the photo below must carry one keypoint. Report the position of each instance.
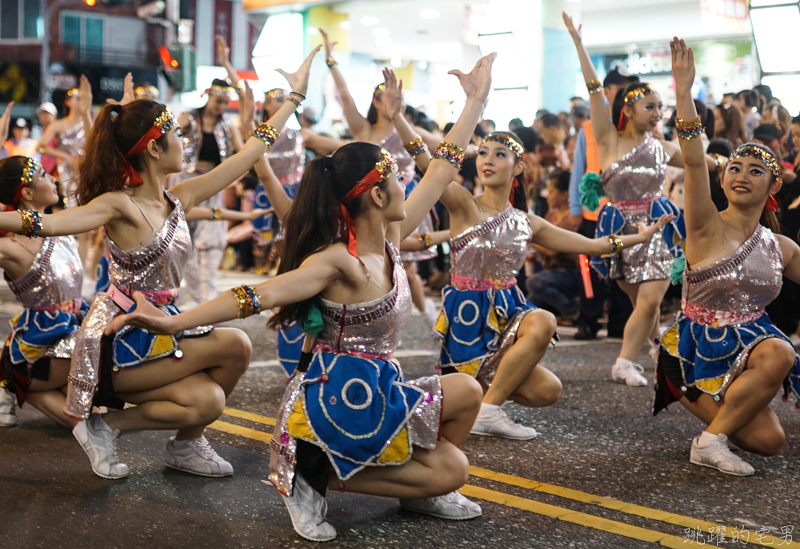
(553, 511)
(567, 515)
(627, 508)
(250, 416)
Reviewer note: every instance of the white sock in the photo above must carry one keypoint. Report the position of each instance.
(706, 438)
(488, 409)
(623, 362)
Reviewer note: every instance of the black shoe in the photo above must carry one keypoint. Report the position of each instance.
(585, 333)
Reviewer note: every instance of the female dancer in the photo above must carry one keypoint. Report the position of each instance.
(45, 274)
(177, 384)
(379, 128)
(488, 329)
(633, 164)
(724, 359)
(382, 435)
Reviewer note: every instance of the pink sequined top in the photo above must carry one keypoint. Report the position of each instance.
(735, 290)
(372, 328)
(638, 176)
(55, 278)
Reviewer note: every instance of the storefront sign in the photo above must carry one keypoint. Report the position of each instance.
(732, 9)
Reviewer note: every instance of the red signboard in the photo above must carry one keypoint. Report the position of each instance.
(223, 24)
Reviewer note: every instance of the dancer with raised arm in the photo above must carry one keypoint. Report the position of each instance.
(178, 383)
(351, 421)
(724, 359)
(633, 164)
(379, 127)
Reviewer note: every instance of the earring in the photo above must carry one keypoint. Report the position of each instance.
(158, 156)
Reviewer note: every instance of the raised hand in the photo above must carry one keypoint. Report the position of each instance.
(298, 80)
(146, 316)
(392, 93)
(257, 214)
(648, 232)
(328, 44)
(478, 82)
(575, 33)
(682, 64)
(5, 119)
(127, 93)
(85, 94)
(223, 51)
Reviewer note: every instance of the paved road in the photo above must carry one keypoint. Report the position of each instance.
(602, 474)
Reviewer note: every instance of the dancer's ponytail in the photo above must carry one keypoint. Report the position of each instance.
(312, 223)
(115, 131)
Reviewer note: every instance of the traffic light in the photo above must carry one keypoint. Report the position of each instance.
(179, 64)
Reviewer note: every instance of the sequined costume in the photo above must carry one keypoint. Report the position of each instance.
(155, 268)
(406, 174)
(353, 402)
(70, 142)
(287, 157)
(633, 186)
(50, 293)
(721, 321)
(483, 307)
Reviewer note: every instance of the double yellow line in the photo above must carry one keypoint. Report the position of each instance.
(553, 511)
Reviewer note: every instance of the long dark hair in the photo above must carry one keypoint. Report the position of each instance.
(10, 177)
(312, 223)
(116, 130)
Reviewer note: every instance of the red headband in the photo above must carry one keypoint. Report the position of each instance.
(162, 125)
(379, 173)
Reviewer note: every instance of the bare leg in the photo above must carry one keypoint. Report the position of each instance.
(646, 298)
(415, 285)
(435, 472)
(222, 356)
(49, 396)
(517, 375)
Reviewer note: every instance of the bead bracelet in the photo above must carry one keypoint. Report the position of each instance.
(266, 133)
(415, 147)
(331, 62)
(616, 245)
(425, 239)
(594, 86)
(31, 223)
(688, 129)
(248, 300)
(216, 214)
(450, 152)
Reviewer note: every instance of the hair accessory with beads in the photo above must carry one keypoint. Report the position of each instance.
(163, 123)
(639, 92)
(146, 91)
(512, 144)
(383, 168)
(28, 171)
(224, 91)
(759, 152)
(379, 89)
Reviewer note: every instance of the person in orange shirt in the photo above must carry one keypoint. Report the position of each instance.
(20, 143)
(586, 159)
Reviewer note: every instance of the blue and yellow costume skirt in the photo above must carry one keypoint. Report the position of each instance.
(711, 357)
(359, 411)
(647, 261)
(477, 327)
(36, 337)
(290, 347)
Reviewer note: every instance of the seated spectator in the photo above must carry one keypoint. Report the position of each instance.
(557, 286)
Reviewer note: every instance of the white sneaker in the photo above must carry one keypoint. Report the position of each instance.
(307, 508)
(8, 409)
(495, 423)
(197, 457)
(100, 444)
(452, 506)
(718, 456)
(629, 373)
(431, 313)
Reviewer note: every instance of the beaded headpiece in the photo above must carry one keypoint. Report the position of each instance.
(74, 92)
(146, 91)
(274, 94)
(225, 91)
(379, 89)
(28, 171)
(512, 144)
(637, 93)
(383, 168)
(761, 153)
(162, 124)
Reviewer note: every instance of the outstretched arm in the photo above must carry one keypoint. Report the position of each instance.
(210, 214)
(100, 211)
(417, 243)
(308, 280)
(702, 218)
(86, 104)
(604, 131)
(440, 174)
(195, 190)
(561, 240)
(393, 92)
(791, 258)
(359, 126)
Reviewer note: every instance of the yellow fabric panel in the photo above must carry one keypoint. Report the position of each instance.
(710, 385)
(441, 323)
(162, 344)
(32, 354)
(669, 340)
(398, 450)
(470, 368)
(296, 425)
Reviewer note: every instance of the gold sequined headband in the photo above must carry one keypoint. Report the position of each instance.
(637, 93)
(379, 89)
(225, 91)
(763, 154)
(274, 94)
(512, 144)
(146, 91)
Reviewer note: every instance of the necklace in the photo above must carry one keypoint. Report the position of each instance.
(14, 238)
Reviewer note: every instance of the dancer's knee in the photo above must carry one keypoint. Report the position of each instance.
(773, 358)
(238, 350)
(766, 442)
(463, 391)
(207, 404)
(537, 328)
(451, 473)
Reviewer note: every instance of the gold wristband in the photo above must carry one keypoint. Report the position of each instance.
(616, 245)
(31, 223)
(331, 62)
(425, 239)
(450, 152)
(216, 214)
